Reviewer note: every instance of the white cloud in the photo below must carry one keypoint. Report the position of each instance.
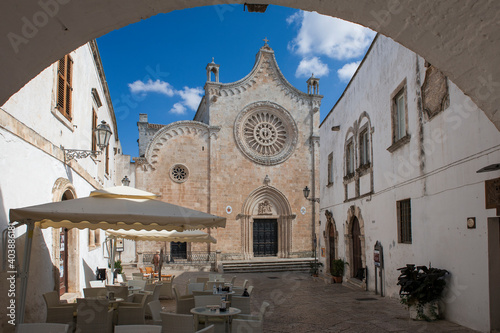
(314, 65)
(161, 87)
(178, 108)
(191, 97)
(328, 36)
(348, 70)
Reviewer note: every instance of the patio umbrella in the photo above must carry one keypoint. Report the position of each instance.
(119, 207)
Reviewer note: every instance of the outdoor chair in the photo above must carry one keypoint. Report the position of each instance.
(138, 329)
(240, 289)
(195, 286)
(202, 279)
(137, 276)
(242, 303)
(155, 309)
(152, 296)
(203, 300)
(97, 283)
(233, 279)
(166, 289)
(149, 270)
(137, 283)
(119, 291)
(42, 328)
(132, 313)
(248, 323)
(209, 329)
(58, 312)
(94, 315)
(179, 323)
(249, 290)
(121, 278)
(184, 304)
(95, 292)
(204, 292)
(215, 277)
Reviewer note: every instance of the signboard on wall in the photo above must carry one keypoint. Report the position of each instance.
(119, 244)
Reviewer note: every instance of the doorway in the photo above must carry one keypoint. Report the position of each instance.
(331, 242)
(63, 261)
(178, 250)
(265, 237)
(357, 263)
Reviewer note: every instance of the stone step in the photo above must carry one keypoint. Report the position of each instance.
(267, 265)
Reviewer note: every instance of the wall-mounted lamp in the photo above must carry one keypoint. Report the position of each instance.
(125, 181)
(102, 134)
(307, 191)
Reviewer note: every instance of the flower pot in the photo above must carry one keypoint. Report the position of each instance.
(337, 279)
(430, 311)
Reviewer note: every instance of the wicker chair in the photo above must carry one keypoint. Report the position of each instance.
(138, 329)
(195, 286)
(95, 292)
(120, 291)
(250, 324)
(153, 296)
(42, 328)
(179, 323)
(58, 312)
(184, 304)
(166, 289)
(155, 309)
(242, 303)
(97, 283)
(132, 313)
(209, 329)
(94, 315)
(203, 300)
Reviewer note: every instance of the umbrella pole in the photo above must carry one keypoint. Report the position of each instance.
(112, 261)
(30, 225)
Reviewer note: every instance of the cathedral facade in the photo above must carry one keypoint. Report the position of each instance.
(251, 148)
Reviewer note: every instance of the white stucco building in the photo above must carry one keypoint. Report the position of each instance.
(399, 158)
(58, 108)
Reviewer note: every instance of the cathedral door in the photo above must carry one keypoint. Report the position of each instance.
(357, 263)
(265, 237)
(63, 261)
(178, 250)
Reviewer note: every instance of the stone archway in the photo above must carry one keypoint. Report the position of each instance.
(62, 190)
(331, 240)
(38, 33)
(354, 217)
(266, 202)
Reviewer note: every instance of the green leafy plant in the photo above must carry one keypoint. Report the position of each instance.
(118, 266)
(420, 286)
(315, 265)
(337, 267)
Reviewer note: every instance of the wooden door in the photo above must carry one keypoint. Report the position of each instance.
(265, 237)
(331, 241)
(63, 261)
(356, 262)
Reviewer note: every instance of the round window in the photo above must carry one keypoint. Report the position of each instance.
(179, 173)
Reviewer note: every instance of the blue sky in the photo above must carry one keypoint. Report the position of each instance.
(157, 66)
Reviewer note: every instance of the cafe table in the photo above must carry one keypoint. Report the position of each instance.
(208, 312)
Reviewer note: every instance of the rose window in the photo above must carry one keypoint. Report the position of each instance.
(179, 173)
(266, 133)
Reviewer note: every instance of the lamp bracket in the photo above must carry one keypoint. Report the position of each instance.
(70, 154)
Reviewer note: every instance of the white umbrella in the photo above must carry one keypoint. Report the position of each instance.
(163, 235)
(120, 207)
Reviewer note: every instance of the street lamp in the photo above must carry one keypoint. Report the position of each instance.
(125, 181)
(307, 191)
(102, 135)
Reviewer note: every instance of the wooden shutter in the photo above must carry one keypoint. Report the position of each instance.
(94, 126)
(64, 89)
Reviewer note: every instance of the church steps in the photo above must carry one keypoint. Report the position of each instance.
(267, 265)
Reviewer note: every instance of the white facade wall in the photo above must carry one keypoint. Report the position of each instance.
(436, 169)
(31, 134)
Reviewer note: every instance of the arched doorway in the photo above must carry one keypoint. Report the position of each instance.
(331, 244)
(266, 224)
(356, 261)
(331, 239)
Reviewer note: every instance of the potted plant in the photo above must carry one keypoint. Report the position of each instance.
(421, 288)
(337, 269)
(315, 265)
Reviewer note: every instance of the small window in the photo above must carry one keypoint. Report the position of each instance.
(364, 148)
(179, 173)
(399, 114)
(403, 208)
(350, 158)
(330, 169)
(64, 89)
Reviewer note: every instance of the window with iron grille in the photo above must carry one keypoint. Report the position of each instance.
(399, 114)
(64, 89)
(404, 220)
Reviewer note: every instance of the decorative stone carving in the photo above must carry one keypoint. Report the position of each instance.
(179, 173)
(435, 97)
(265, 208)
(266, 133)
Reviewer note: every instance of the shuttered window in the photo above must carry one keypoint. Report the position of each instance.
(107, 160)
(94, 126)
(64, 89)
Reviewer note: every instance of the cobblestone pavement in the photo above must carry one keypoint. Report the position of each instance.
(300, 303)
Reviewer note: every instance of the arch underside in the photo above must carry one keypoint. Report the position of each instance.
(438, 32)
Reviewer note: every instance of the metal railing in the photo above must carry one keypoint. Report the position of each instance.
(193, 257)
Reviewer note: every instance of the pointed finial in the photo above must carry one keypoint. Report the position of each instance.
(267, 180)
(213, 60)
(265, 41)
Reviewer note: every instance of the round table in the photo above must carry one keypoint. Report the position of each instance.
(204, 311)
